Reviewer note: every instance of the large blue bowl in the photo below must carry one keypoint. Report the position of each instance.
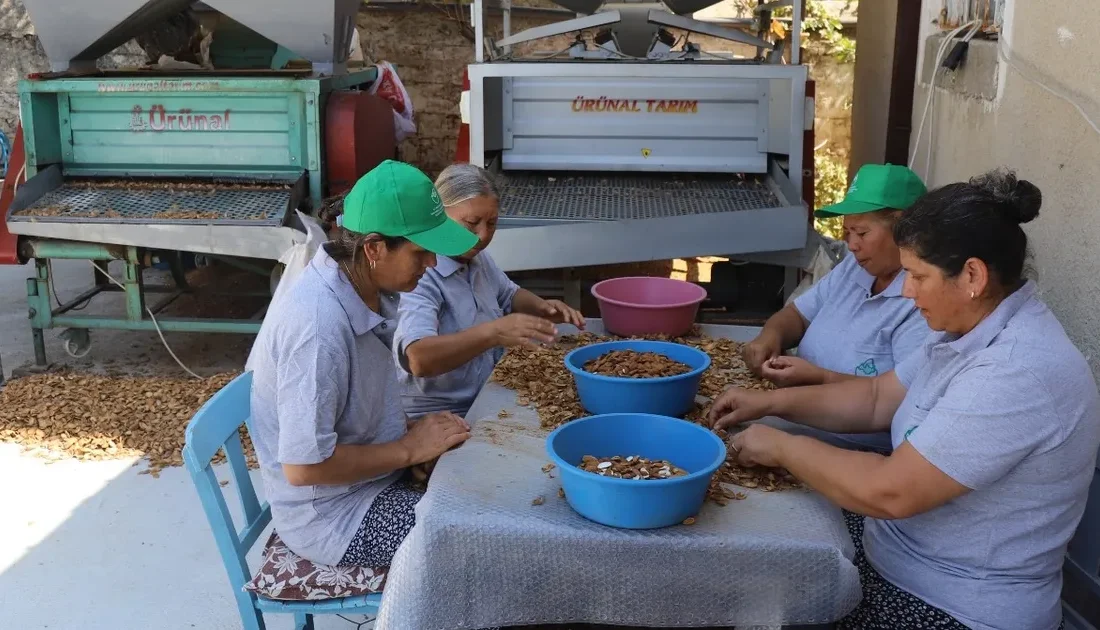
(632, 503)
(667, 396)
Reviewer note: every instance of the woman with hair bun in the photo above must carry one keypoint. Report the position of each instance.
(995, 424)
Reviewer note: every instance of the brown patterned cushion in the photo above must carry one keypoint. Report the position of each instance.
(285, 575)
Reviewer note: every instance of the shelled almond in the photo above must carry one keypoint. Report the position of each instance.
(633, 364)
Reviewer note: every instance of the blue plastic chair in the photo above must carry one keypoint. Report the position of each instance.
(215, 427)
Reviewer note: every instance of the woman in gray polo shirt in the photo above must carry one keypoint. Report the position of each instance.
(330, 434)
(855, 321)
(995, 425)
(453, 328)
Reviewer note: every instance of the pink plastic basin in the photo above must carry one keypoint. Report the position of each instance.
(648, 306)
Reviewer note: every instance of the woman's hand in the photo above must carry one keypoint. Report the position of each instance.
(518, 329)
(792, 372)
(434, 434)
(737, 405)
(758, 352)
(561, 313)
(760, 445)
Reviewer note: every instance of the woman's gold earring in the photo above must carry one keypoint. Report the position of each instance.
(372, 269)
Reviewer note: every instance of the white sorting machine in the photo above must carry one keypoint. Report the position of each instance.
(633, 143)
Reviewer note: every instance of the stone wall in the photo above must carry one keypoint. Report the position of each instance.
(430, 51)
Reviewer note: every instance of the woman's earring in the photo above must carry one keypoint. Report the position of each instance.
(372, 269)
(971, 293)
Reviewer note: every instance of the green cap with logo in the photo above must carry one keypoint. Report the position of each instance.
(878, 187)
(397, 199)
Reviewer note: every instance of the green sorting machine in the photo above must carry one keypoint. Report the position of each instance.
(172, 168)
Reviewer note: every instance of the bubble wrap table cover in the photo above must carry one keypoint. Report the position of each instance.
(483, 555)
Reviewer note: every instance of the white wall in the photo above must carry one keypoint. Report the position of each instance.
(1045, 139)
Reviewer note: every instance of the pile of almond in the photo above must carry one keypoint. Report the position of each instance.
(634, 364)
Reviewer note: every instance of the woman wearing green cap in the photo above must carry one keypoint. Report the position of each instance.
(453, 328)
(855, 321)
(331, 436)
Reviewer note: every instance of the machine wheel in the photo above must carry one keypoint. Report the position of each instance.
(78, 342)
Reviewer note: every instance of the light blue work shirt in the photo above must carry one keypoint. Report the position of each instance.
(323, 375)
(852, 331)
(450, 298)
(1011, 411)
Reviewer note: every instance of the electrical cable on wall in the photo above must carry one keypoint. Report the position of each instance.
(948, 40)
(1004, 53)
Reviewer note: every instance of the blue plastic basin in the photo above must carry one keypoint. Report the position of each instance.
(667, 396)
(632, 503)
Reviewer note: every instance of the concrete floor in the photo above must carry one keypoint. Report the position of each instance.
(94, 545)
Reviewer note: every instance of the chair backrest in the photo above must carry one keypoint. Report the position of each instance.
(216, 426)
(1082, 567)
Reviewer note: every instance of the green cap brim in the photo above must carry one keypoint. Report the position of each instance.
(846, 207)
(447, 239)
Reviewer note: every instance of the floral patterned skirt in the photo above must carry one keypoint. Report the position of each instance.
(388, 521)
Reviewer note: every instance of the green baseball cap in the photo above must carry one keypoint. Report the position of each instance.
(877, 187)
(397, 199)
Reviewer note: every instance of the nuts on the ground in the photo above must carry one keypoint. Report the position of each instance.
(631, 467)
(97, 417)
(633, 364)
(538, 501)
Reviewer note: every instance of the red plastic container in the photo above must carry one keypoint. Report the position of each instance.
(648, 306)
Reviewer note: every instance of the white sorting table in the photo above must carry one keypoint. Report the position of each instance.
(482, 555)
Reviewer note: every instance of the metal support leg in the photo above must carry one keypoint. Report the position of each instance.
(790, 282)
(571, 291)
(302, 621)
(179, 276)
(38, 302)
(135, 295)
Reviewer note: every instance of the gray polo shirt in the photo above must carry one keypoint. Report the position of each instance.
(1011, 411)
(854, 332)
(323, 375)
(450, 298)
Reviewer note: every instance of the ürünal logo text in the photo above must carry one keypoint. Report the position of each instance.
(158, 119)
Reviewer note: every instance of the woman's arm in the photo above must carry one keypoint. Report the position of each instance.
(428, 438)
(351, 463)
(797, 372)
(858, 405)
(556, 311)
(433, 356)
(440, 354)
(782, 330)
(899, 486)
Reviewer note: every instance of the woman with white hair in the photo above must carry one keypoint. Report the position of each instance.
(453, 328)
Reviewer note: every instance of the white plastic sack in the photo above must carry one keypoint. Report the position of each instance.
(356, 50)
(294, 262)
(297, 257)
(822, 262)
(388, 86)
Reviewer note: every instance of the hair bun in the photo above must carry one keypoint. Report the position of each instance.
(1019, 198)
